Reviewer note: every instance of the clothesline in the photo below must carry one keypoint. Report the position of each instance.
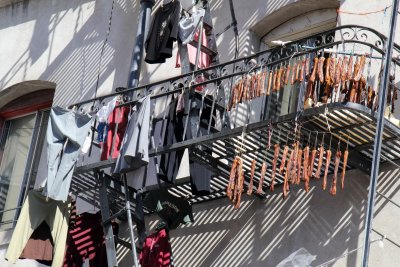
(363, 13)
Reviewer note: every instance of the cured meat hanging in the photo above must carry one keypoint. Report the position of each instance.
(274, 163)
(320, 161)
(293, 169)
(236, 180)
(328, 162)
(306, 163)
(270, 77)
(261, 182)
(332, 191)
(238, 186)
(287, 75)
(345, 157)
(253, 169)
(312, 161)
(294, 70)
(232, 178)
(283, 160)
(303, 65)
(288, 172)
(298, 164)
(338, 80)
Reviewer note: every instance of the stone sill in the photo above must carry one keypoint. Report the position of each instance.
(4, 3)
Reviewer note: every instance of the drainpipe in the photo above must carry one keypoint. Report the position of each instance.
(141, 35)
(235, 29)
(378, 136)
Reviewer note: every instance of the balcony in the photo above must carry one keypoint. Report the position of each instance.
(219, 138)
(257, 121)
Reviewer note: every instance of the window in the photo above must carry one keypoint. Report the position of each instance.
(23, 124)
(302, 26)
(16, 141)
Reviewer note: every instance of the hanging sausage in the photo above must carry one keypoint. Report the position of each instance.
(253, 169)
(274, 163)
(332, 191)
(328, 162)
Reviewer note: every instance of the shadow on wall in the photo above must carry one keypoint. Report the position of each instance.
(73, 61)
(255, 18)
(265, 232)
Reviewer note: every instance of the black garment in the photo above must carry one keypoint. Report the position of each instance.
(139, 219)
(170, 162)
(200, 178)
(173, 210)
(200, 175)
(162, 33)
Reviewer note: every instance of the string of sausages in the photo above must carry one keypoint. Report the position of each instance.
(297, 163)
(341, 79)
(328, 80)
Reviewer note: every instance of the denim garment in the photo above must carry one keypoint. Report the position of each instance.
(66, 133)
(102, 130)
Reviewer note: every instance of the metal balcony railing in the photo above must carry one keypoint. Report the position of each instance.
(351, 123)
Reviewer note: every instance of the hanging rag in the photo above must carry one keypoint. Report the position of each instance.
(162, 33)
(156, 251)
(66, 133)
(36, 209)
(134, 151)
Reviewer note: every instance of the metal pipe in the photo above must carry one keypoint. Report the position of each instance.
(129, 215)
(235, 29)
(378, 135)
(199, 44)
(196, 67)
(3, 211)
(141, 34)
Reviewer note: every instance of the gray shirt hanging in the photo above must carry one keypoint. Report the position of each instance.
(134, 151)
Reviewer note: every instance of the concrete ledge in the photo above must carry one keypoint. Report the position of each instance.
(4, 3)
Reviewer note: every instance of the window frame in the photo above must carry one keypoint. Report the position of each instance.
(38, 103)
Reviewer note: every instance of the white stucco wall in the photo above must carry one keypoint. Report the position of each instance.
(60, 41)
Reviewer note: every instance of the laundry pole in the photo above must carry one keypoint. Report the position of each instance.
(141, 34)
(379, 132)
(134, 75)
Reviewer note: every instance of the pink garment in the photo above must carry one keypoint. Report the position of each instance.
(204, 59)
(200, 79)
(119, 117)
